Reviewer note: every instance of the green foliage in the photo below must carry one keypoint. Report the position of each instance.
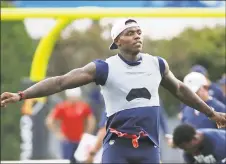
(17, 50)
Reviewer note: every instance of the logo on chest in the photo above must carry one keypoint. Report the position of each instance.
(205, 159)
(137, 73)
(138, 93)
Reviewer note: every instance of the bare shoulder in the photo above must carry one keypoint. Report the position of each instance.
(89, 68)
(169, 81)
(167, 73)
(80, 76)
(165, 63)
(166, 66)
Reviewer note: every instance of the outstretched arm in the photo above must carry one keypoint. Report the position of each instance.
(49, 86)
(183, 93)
(73, 79)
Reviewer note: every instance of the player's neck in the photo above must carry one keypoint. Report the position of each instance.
(200, 137)
(129, 56)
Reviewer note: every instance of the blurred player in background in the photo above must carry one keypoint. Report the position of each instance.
(222, 83)
(130, 83)
(74, 118)
(198, 84)
(213, 88)
(96, 100)
(201, 146)
(100, 137)
(163, 122)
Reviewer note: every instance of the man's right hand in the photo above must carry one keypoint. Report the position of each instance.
(7, 98)
(61, 136)
(89, 159)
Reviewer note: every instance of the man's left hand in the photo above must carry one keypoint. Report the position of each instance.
(220, 119)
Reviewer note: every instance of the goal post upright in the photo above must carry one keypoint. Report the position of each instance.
(44, 50)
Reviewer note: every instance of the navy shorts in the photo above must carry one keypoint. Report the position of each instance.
(68, 149)
(121, 150)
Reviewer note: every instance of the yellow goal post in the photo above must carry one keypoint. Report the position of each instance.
(65, 15)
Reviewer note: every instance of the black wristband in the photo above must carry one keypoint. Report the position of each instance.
(21, 94)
